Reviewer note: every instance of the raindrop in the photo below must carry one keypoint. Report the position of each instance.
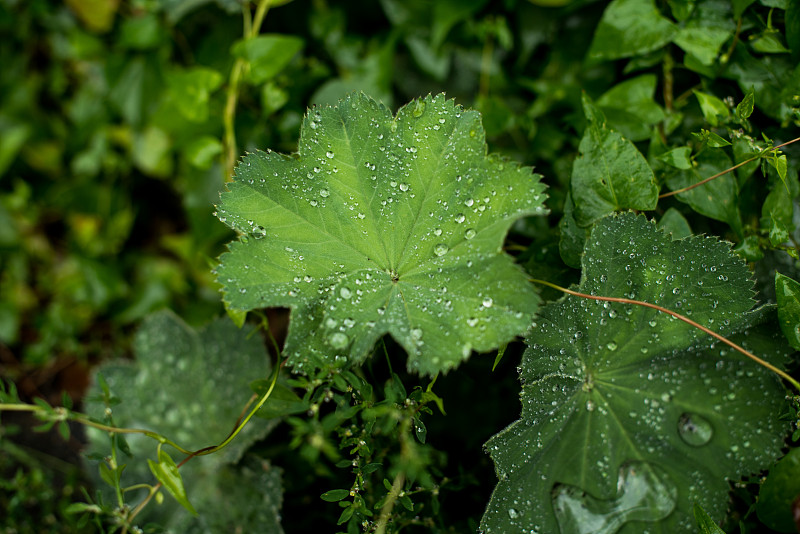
(345, 293)
(460, 218)
(338, 340)
(419, 109)
(404, 186)
(487, 302)
(437, 232)
(441, 249)
(645, 493)
(612, 346)
(472, 321)
(259, 232)
(324, 193)
(329, 154)
(470, 233)
(512, 513)
(469, 202)
(694, 429)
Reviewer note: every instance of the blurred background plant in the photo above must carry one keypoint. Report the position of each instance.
(120, 121)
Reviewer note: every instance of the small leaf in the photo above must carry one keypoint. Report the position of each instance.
(714, 110)
(779, 493)
(630, 108)
(673, 222)
(704, 521)
(745, 108)
(420, 430)
(335, 495)
(609, 174)
(282, 401)
(787, 292)
(680, 158)
(166, 471)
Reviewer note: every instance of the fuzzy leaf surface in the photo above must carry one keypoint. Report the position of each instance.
(382, 224)
(629, 416)
(184, 386)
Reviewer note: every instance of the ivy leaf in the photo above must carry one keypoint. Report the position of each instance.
(630, 416)
(184, 386)
(382, 224)
(610, 174)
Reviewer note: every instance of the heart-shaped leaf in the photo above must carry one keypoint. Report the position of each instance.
(382, 224)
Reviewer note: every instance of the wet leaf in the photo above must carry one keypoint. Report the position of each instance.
(630, 416)
(183, 386)
(382, 224)
(705, 522)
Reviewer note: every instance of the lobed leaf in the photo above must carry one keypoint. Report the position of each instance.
(382, 224)
(629, 415)
(183, 386)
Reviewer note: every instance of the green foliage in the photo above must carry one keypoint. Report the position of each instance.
(396, 227)
(121, 122)
(645, 395)
(177, 388)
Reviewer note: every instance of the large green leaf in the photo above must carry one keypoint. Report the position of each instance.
(628, 415)
(190, 386)
(382, 224)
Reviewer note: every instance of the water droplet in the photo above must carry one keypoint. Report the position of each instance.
(512, 513)
(441, 249)
(324, 193)
(404, 186)
(437, 232)
(694, 429)
(469, 202)
(345, 293)
(329, 154)
(460, 218)
(487, 302)
(611, 346)
(419, 109)
(645, 493)
(472, 321)
(259, 232)
(470, 233)
(338, 340)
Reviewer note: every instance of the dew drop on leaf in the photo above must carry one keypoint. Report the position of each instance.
(694, 429)
(338, 340)
(644, 493)
(441, 249)
(470, 233)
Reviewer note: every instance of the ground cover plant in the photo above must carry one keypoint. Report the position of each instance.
(427, 267)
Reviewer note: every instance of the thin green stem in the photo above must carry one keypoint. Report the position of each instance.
(686, 320)
(251, 29)
(726, 171)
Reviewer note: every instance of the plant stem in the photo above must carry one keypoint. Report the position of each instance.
(726, 171)
(251, 29)
(686, 320)
(386, 509)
